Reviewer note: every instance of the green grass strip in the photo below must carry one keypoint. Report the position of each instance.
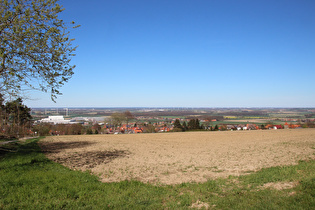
(28, 180)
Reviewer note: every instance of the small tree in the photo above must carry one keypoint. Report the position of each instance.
(17, 112)
(89, 131)
(96, 127)
(197, 124)
(149, 129)
(42, 129)
(16, 116)
(177, 126)
(191, 124)
(194, 124)
(223, 128)
(185, 128)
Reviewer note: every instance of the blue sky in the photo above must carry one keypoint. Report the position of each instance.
(189, 53)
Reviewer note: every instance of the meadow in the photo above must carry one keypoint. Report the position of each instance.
(271, 169)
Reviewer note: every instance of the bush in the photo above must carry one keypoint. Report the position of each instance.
(177, 130)
(42, 129)
(89, 131)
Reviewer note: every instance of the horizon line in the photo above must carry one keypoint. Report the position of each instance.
(172, 107)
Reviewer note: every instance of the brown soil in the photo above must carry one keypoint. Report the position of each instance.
(172, 158)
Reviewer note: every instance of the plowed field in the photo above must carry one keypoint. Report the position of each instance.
(172, 158)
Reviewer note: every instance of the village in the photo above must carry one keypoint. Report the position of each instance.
(111, 125)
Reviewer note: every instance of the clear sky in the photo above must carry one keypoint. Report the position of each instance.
(189, 53)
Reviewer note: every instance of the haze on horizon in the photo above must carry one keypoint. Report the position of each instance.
(176, 53)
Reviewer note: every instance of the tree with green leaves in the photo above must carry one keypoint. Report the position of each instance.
(191, 124)
(15, 118)
(185, 128)
(197, 124)
(194, 124)
(177, 126)
(35, 48)
(17, 113)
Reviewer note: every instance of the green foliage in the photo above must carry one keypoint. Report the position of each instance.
(15, 117)
(35, 48)
(177, 126)
(194, 124)
(191, 124)
(17, 112)
(197, 124)
(177, 130)
(89, 131)
(308, 186)
(42, 129)
(28, 180)
(185, 128)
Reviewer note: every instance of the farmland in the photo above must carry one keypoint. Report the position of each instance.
(173, 158)
(274, 169)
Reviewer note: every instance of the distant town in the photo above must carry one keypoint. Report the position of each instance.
(72, 121)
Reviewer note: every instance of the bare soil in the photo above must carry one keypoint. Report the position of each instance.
(172, 158)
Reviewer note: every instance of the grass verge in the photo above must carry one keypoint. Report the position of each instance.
(28, 180)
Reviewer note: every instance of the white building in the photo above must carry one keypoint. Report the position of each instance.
(55, 120)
